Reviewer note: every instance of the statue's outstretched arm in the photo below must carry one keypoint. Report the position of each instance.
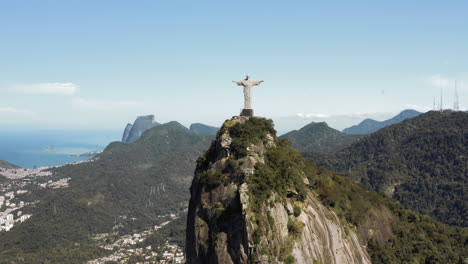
(237, 82)
(257, 82)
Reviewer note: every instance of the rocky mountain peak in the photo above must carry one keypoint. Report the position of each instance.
(142, 123)
(255, 199)
(249, 204)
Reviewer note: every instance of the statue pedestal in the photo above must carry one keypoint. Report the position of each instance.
(247, 112)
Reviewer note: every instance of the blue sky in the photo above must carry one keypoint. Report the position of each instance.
(99, 64)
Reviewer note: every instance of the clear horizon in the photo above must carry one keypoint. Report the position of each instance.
(99, 65)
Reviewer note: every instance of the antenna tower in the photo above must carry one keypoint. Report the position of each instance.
(441, 106)
(456, 105)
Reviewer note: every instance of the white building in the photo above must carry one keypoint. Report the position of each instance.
(8, 227)
(24, 217)
(9, 218)
(10, 194)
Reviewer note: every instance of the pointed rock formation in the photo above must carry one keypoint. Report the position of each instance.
(250, 204)
(133, 132)
(126, 133)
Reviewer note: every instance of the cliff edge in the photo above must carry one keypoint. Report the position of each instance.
(250, 204)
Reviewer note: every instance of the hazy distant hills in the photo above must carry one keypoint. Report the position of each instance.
(368, 126)
(319, 137)
(124, 189)
(204, 130)
(133, 132)
(421, 162)
(7, 165)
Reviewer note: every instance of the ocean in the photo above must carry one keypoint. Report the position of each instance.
(30, 149)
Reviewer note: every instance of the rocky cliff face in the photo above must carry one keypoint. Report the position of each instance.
(250, 204)
(133, 132)
(126, 133)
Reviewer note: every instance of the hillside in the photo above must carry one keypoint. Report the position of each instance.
(255, 199)
(128, 188)
(421, 162)
(319, 137)
(204, 130)
(369, 125)
(7, 165)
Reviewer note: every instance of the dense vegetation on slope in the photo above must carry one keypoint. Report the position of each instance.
(203, 130)
(393, 233)
(319, 137)
(369, 125)
(7, 165)
(411, 237)
(174, 233)
(421, 162)
(124, 190)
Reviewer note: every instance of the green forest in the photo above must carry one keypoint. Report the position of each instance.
(126, 187)
(421, 162)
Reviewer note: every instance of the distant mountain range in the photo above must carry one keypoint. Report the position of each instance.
(368, 126)
(204, 130)
(7, 165)
(316, 136)
(133, 132)
(421, 162)
(319, 137)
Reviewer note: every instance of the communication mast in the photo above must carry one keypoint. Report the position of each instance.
(456, 105)
(441, 106)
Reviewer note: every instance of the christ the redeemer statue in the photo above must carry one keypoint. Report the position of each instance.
(247, 83)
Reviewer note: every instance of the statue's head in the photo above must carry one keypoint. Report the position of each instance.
(247, 77)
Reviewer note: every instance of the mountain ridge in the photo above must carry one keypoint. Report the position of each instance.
(133, 132)
(368, 126)
(204, 130)
(319, 137)
(420, 162)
